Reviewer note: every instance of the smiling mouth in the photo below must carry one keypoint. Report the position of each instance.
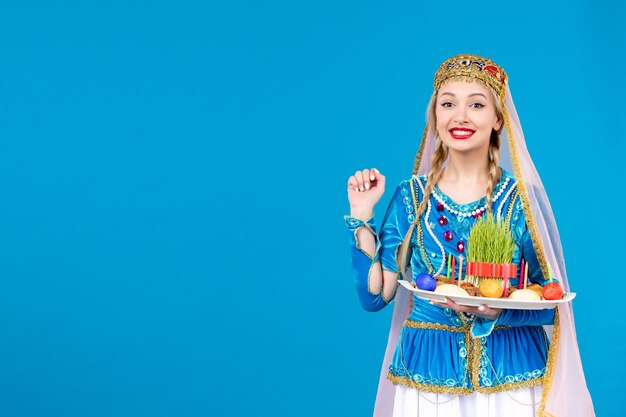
(461, 133)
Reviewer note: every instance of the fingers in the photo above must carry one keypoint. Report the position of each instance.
(365, 179)
(482, 310)
(353, 183)
(378, 177)
(457, 307)
(452, 305)
(359, 179)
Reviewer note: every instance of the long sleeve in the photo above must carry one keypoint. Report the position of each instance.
(395, 226)
(386, 247)
(362, 263)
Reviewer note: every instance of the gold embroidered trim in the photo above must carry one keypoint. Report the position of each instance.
(381, 293)
(433, 326)
(368, 227)
(508, 386)
(438, 389)
(472, 67)
(444, 327)
(474, 351)
(553, 354)
(530, 221)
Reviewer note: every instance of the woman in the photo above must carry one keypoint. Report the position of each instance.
(447, 359)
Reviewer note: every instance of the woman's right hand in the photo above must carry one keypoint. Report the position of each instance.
(365, 188)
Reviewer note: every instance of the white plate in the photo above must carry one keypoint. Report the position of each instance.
(490, 302)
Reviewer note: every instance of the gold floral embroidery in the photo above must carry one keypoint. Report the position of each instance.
(438, 389)
(474, 352)
(433, 326)
(472, 68)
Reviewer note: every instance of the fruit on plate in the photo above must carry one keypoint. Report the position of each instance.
(471, 289)
(525, 295)
(552, 291)
(490, 288)
(536, 288)
(449, 289)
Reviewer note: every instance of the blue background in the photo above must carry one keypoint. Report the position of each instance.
(173, 184)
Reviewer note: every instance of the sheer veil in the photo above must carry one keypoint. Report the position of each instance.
(565, 392)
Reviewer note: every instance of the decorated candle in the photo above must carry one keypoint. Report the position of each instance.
(525, 275)
(452, 267)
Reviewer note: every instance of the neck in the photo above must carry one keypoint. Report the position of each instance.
(467, 167)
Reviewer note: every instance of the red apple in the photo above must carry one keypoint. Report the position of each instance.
(552, 291)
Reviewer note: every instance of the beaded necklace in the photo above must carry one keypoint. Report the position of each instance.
(461, 216)
(437, 193)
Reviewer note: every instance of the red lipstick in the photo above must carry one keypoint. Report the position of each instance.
(461, 132)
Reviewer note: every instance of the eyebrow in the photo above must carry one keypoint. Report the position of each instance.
(473, 94)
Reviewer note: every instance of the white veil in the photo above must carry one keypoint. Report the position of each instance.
(565, 391)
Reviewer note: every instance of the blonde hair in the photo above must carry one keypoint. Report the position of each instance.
(439, 157)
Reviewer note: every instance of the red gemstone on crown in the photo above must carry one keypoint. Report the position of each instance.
(443, 220)
(440, 207)
(492, 70)
(447, 235)
(460, 247)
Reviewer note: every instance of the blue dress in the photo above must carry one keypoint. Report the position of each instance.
(440, 350)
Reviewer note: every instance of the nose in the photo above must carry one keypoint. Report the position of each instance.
(460, 115)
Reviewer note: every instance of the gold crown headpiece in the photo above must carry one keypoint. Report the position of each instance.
(473, 66)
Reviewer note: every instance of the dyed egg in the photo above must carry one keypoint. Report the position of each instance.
(491, 288)
(449, 289)
(425, 282)
(552, 291)
(525, 295)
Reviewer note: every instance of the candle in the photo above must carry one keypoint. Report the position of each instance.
(452, 267)
(521, 276)
(505, 282)
(449, 262)
(549, 273)
(460, 270)
(526, 275)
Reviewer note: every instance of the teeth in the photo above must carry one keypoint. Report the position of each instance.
(461, 132)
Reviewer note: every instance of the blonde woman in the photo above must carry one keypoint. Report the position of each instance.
(448, 359)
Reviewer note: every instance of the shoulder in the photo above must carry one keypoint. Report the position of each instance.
(406, 198)
(417, 182)
(412, 187)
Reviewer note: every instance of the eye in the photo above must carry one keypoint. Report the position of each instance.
(477, 105)
(447, 104)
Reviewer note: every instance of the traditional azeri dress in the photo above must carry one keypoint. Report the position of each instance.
(440, 350)
(524, 363)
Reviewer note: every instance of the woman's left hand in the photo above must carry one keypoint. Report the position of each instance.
(483, 310)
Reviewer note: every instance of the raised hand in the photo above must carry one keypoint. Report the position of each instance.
(365, 188)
